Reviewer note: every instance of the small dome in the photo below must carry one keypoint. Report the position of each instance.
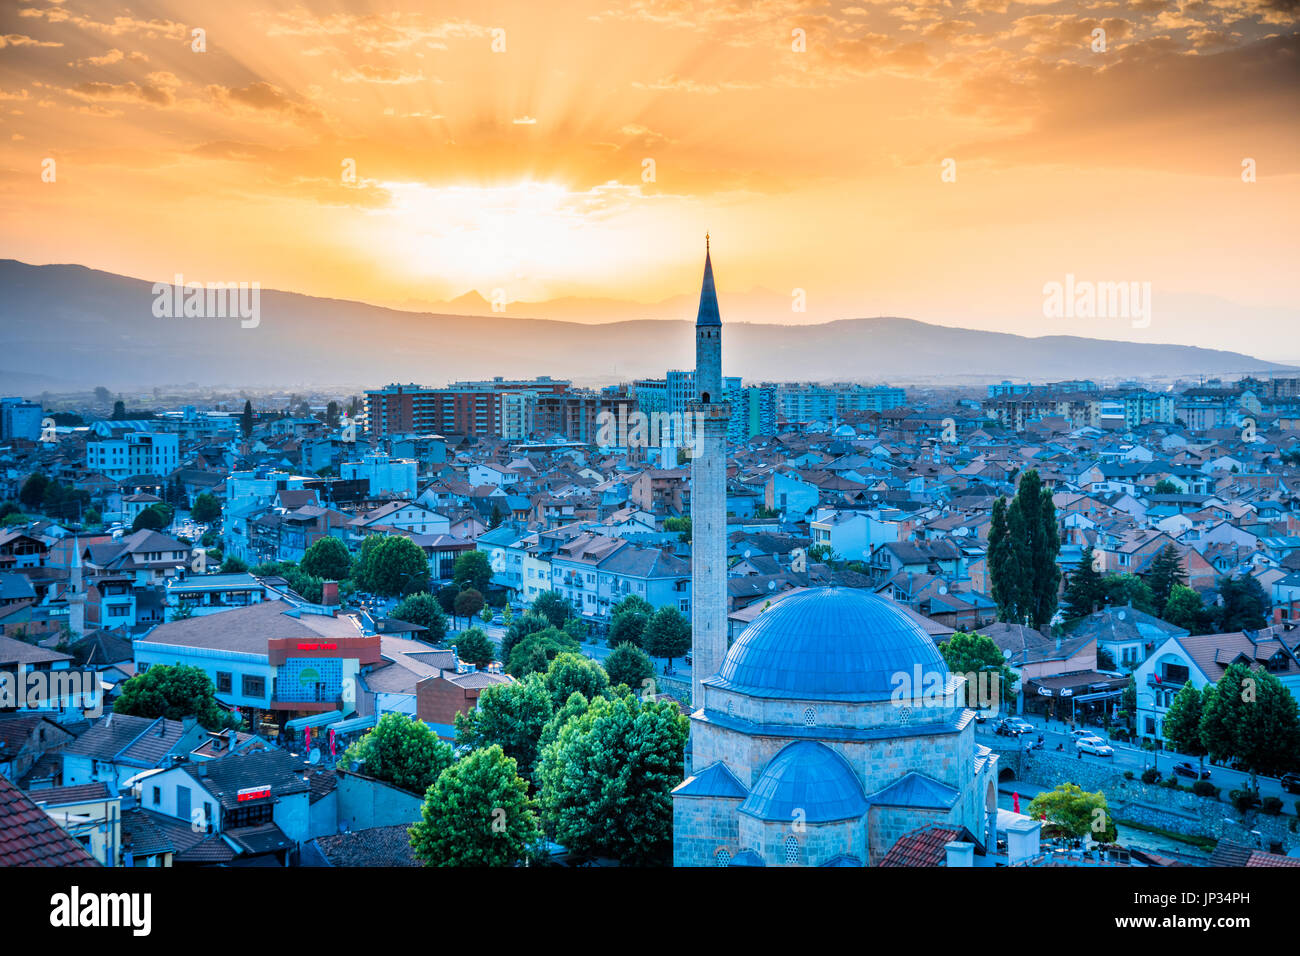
(806, 781)
(830, 644)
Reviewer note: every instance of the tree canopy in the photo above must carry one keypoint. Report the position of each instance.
(1024, 541)
(328, 558)
(1076, 812)
(628, 664)
(477, 813)
(606, 779)
(424, 610)
(174, 692)
(510, 715)
(402, 751)
(391, 565)
(473, 646)
(472, 570)
(668, 634)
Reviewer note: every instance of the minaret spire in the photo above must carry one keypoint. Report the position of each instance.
(708, 493)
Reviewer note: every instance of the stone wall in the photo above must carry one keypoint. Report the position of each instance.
(1151, 804)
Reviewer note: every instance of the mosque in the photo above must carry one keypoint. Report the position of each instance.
(817, 739)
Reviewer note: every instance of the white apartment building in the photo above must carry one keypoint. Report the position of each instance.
(133, 453)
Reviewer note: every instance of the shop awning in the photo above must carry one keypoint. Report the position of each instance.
(313, 720)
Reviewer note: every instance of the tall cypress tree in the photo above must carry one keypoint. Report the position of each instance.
(1023, 545)
(246, 419)
(1165, 572)
(1085, 589)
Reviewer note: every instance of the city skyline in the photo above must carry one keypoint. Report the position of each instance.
(945, 162)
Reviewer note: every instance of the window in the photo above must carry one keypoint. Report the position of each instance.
(809, 717)
(157, 796)
(722, 858)
(791, 851)
(254, 686)
(223, 682)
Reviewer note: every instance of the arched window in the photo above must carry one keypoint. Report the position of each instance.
(905, 715)
(704, 397)
(791, 851)
(810, 717)
(722, 858)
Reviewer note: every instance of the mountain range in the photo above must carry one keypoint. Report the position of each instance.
(68, 326)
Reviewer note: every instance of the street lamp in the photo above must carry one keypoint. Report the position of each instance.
(1155, 753)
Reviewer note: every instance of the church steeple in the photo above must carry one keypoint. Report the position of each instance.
(708, 314)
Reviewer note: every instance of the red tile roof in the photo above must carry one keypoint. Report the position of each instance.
(28, 837)
(922, 847)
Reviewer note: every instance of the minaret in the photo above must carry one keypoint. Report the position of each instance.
(76, 594)
(708, 494)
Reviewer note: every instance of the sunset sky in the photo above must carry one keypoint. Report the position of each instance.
(524, 169)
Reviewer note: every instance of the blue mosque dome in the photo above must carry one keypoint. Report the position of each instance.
(840, 644)
(808, 779)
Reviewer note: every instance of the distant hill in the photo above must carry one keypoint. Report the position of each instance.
(66, 326)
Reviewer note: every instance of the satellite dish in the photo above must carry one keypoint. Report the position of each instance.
(1123, 615)
(314, 756)
(771, 585)
(943, 589)
(747, 552)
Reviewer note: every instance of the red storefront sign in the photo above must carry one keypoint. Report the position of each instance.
(252, 793)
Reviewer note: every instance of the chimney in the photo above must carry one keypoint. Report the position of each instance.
(1022, 840)
(960, 853)
(189, 723)
(329, 595)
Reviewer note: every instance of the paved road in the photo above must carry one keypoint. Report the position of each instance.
(1136, 759)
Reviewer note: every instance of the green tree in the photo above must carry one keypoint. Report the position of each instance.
(1084, 589)
(1185, 609)
(332, 414)
(512, 716)
(1244, 605)
(234, 565)
(668, 634)
(553, 606)
(151, 519)
(119, 411)
(446, 596)
(628, 664)
(1075, 812)
(423, 610)
(975, 654)
(1024, 541)
(328, 559)
(1166, 573)
(1165, 487)
(402, 751)
(526, 624)
(206, 510)
(1182, 723)
(1250, 715)
(468, 603)
(1128, 590)
(174, 692)
(32, 493)
(534, 653)
(606, 780)
(472, 570)
(572, 673)
(627, 625)
(474, 647)
(246, 420)
(392, 565)
(682, 526)
(478, 813)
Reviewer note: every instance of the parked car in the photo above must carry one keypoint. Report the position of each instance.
(1013, 727)
(1291, 782)
(1093, 745)
(1185, 769)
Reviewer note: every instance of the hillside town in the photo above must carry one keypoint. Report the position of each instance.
(335, 568)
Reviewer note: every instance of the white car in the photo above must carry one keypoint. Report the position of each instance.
(1094, 745)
